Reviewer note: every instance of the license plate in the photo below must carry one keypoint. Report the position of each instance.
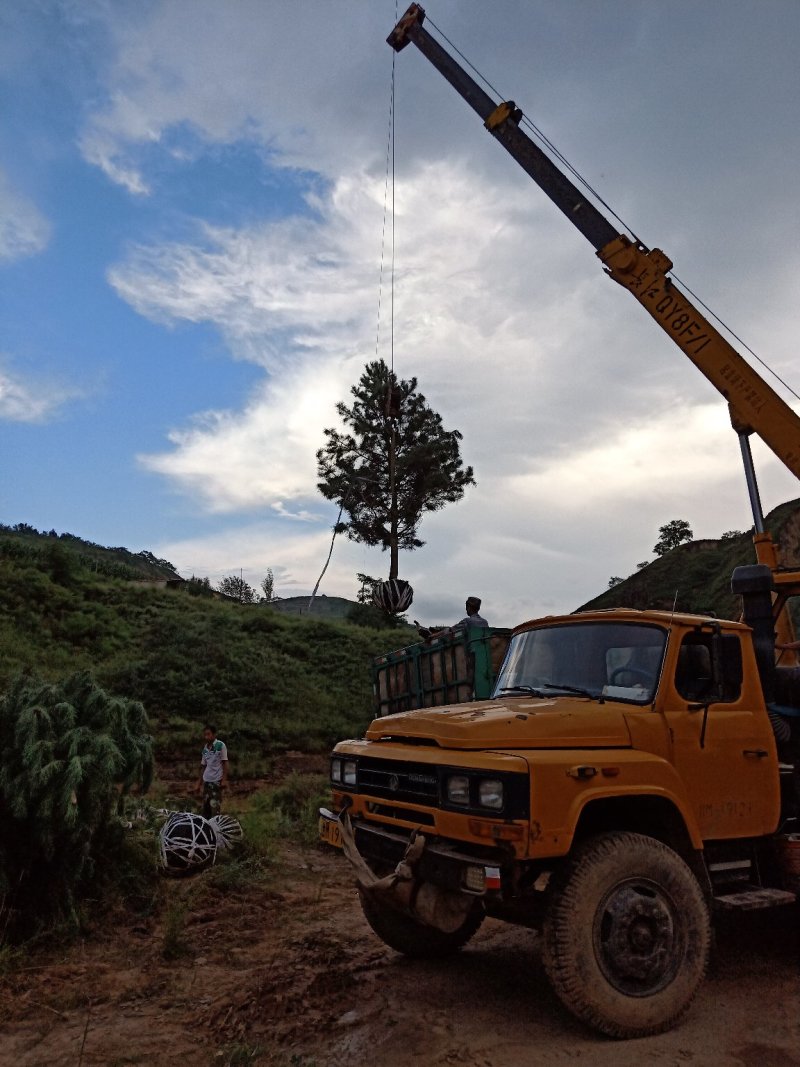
(330, 832)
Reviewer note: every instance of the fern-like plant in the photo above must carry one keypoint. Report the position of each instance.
(70, 752)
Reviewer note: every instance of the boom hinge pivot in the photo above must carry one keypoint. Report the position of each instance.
(507, 110)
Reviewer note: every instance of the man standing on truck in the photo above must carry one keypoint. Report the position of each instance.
(213, 772)
(472, 618)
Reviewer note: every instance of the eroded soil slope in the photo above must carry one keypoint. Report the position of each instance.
(292, 976)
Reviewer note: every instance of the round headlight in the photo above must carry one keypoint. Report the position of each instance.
(336, 770)
(349, 772)
(490, 793)
(458, 789)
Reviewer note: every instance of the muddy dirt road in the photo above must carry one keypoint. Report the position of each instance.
(292, 976)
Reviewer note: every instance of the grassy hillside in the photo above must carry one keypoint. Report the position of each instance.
(324, 607)
(697, 576)
(269, 681)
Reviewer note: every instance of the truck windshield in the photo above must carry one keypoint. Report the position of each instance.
(613, 660)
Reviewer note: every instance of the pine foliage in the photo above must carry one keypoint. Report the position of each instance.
(354, 466)
(69, 753)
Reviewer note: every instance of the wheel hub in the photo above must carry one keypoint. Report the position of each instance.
(636, 936)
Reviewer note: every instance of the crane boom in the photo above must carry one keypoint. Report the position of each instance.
(755, 406)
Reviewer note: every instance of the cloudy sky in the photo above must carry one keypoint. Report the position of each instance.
(191, 217)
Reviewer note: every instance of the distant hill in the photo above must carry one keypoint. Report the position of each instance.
(269, 681)
(696, 576)
(338, 608)
(324, 607)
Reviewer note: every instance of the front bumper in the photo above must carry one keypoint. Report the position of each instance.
(474, 870)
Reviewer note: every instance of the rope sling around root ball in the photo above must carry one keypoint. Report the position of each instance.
(189, 843)
(393, 596)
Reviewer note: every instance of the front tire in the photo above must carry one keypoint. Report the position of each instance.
(405, 934)
(627, 935)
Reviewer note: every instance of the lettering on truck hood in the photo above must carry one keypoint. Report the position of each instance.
(562, 722)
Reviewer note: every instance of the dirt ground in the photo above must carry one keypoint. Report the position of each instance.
(292, 976)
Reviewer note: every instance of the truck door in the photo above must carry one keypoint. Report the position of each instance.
(725, 754)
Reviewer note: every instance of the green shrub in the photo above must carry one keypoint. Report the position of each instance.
(262, 828)
(70, 751)
(294, 805)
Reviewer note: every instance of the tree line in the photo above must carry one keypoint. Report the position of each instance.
(236, 587)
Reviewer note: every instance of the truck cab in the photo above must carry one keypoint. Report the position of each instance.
(624, 769)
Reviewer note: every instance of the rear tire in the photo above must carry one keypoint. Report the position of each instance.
(627, 935)
(405, 934)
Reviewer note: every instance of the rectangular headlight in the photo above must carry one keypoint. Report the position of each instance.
(336, 770)
(475, 879)
(458, 789)
(490, 793)
(349, 772)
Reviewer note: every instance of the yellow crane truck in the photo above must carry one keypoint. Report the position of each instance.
(632, 773)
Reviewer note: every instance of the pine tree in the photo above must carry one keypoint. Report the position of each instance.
(70, 751)
(394, 463)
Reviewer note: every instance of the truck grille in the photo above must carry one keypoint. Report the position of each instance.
(408, 782)
(417, 783)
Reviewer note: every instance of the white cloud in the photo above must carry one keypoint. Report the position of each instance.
(296, 558)
(28, 400)
(277, 290)
(24, 231)
(268, 76)
(263, 456)
(101, 149)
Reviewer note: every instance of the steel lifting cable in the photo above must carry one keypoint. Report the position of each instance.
(389, 173)
(744, 344)
(540, 136)
(391, 138)
(389, 183)
(390, 390)
(390, 412)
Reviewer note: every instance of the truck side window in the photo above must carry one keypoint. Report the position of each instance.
(694, 677)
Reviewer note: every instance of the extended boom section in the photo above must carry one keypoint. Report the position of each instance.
(502, 122)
